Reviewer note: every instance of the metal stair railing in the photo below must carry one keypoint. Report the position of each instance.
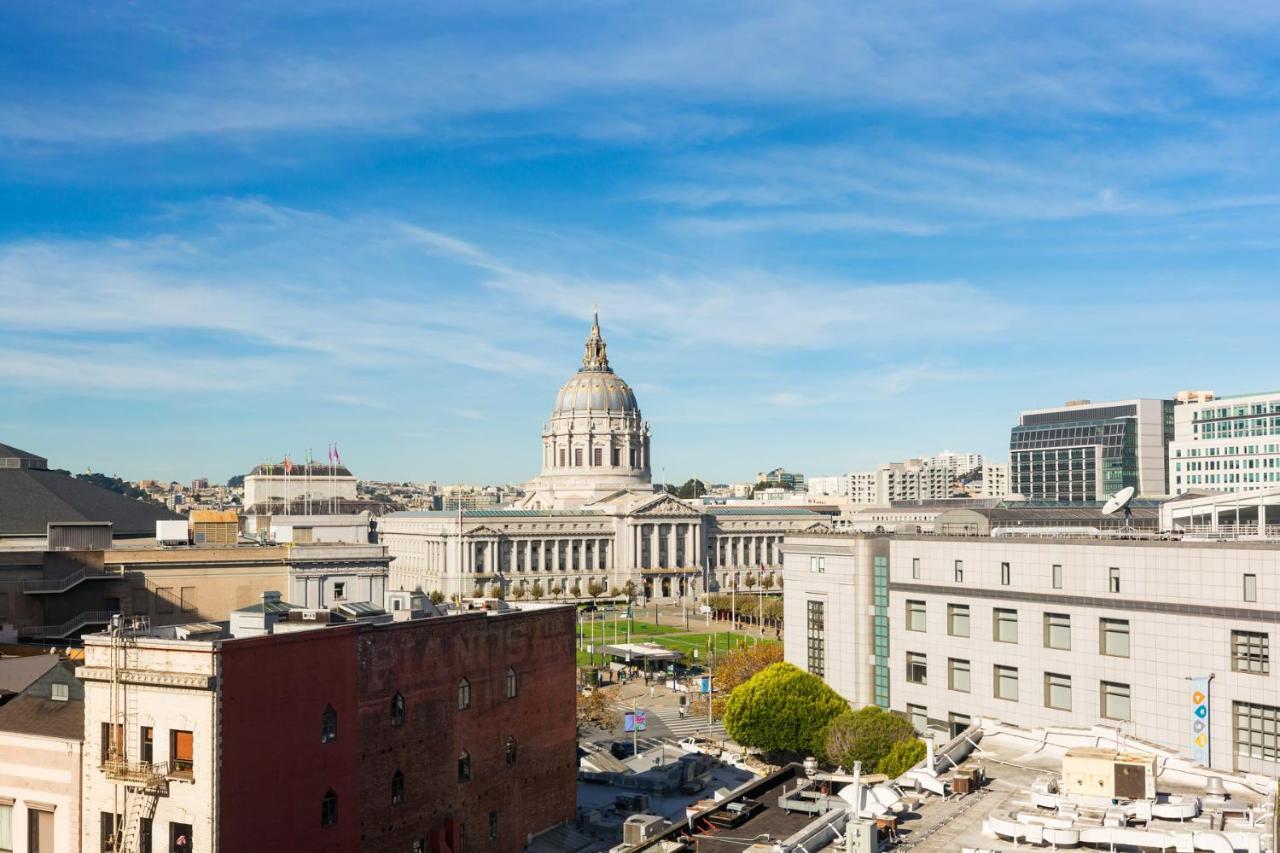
(89, 617)
(62, 584)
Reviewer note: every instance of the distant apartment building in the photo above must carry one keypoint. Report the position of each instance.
(1225, 444)
(913, 480)
(995, 480)
(858, 487)
(789, 479)
(1166, 641)
(450, 732)
(957, 463)
(1089, 451)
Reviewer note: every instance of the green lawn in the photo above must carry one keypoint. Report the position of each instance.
(672, 637)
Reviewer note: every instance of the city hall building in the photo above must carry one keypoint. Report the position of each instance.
(591, 516)
(1165, 641)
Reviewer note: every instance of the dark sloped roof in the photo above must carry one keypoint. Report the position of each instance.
(32, 715)
(31, 498)
(8, 451)
(300, 469)
(17, 674)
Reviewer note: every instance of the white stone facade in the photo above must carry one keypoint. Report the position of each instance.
(169, 687)
(1141, 619)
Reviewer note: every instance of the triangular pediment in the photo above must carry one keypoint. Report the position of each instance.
(483, 530)
(666, 506)
(818, 527)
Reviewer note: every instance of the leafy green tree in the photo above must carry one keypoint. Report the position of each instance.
(692, 488)
(594, 589)
(537, 592)
(576, 590)
(236, 481)
(767, 582)
(495, 590)
(437, 596)
(782, 708)
(750, 580)
(904, 755)
(866, 735)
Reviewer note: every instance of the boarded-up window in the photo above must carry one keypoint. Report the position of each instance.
(188, 599)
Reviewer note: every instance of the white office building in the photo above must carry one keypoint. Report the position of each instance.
(1130, 634)
(1227, 444)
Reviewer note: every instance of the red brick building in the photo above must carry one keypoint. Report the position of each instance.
(442, 734)
(467, 730)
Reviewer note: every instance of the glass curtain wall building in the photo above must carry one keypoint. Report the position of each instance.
(1085, 451)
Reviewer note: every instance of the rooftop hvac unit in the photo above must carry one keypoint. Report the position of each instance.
(171, 532)
(641, 827)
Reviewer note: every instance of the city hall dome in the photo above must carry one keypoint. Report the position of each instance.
(595, 387)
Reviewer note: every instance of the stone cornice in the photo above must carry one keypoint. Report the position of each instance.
(193, 680)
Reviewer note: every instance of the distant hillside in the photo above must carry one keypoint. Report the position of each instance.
(120, 487)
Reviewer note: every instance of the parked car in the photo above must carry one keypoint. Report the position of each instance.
(620, 749)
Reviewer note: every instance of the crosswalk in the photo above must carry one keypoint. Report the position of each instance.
(685, 726)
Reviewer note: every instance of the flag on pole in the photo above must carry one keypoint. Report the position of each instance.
(336, 457)
(288, 465)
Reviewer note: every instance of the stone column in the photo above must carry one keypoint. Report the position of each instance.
(654, 553)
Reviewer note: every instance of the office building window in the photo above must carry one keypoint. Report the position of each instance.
(1057, 631)
(1115, 701)
(818, 565)
(397, 710)
(40, 829)
(493, 825)
(1257, 729)
(511, 682)
(464, 768)
(1057, 576)
(1057, 691)
(577, 457)
(816, 637)
(146, 744)
(958, 675)
(328, 724)
(1004, 574)
(146, 838)
(328, 809)
(959, 571)
(1250, 587)
(1251, 652)
(597, 457)
(917, 668)
(957, 723)
(1006, 683)
(915, 568)
(1113, 637)
(1113, 579)
(1004, 625)
(397, 788)
(464, 695)
(6, 827)
(182, 752)
(916, 617)
(919, 717)
(958, 620)
(59, 692)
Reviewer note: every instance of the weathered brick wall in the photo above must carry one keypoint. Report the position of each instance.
(424, 660)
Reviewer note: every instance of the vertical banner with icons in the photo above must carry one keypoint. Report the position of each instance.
(1200, 719)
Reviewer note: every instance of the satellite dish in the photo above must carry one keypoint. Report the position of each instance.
(1120, 500)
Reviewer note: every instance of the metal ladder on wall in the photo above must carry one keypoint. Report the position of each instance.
(140, 783)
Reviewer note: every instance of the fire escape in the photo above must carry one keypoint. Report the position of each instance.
(138, 783)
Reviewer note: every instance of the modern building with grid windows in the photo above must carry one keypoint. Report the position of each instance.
(1089, 451)
(1226, 444)
(1166, 641)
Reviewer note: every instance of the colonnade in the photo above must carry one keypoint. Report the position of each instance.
(675, 545)
(751, 551)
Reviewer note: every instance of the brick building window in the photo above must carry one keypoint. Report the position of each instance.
(493, 825)
(397, 710)
(397, 788)
(328, 809)
(511, 683)
(328, 725)
(511, 751)
(464, 695)
(182, 756)
(464, 768)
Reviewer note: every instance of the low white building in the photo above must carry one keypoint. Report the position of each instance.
(304, 488)
(1131, 634)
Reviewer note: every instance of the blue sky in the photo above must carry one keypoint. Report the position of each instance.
(821, 235)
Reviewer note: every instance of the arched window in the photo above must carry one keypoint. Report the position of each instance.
(328, 808)
(511, 683)
(464, 695)
(397, 788)
(511, 751)
(328, 725)
(464, 768)
(397, 710)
